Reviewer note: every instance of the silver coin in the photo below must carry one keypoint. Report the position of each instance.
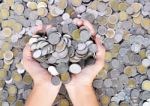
(55, 80)
(62, 68)
(85, 35)
(37, 53)
(54, 38)
(75, 68)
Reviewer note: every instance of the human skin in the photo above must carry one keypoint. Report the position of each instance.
(80, 88)
(43, 92)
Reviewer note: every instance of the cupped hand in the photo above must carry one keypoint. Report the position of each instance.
(36, 71)
(87, 75)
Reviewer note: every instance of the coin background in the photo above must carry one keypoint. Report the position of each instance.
(123, 25)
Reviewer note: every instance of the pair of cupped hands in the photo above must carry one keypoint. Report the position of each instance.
(41, 77)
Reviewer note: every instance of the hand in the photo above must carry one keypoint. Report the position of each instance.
(36, 71)
(87, 75)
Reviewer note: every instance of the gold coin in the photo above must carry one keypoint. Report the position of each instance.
(102, 20)
(141, 69)
(65, 77)
(114, 5)
(11, 99)
(113, 19)
(136, 7)
(108, 56)
(124, 104)
(63, 102)
(2, 83)
(17, 77)
(123, 6)
(128, 71)
(102, 74)
(32, 5)
(6, 67)
(112, 26)
(18, 8)
(8, 23)
(105, 100)
(110, 33)
(76, 2)
(42, 11)
(108, 11)
(4, 13)
(3, 73)
(27, 79)
(132, 83)
(146, 85)
(12, 90)
(142, 53)
(5, 46)
(93, 5)
(138, 19)
(19, 103)
(145, 23)
(8, 55)
(17, 27)
(76, 34)
(123, 16)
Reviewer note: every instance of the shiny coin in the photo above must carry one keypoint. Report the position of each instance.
(75, 68)
(32, 5)
(52, 70)
(55, 80)
(146, 85)
(37, 53)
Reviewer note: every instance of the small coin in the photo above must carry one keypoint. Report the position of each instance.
(110, 33)
(130, 71)
(52, 70)
(75, 68)
(55, 80)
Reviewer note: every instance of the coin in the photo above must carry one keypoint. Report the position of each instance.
(113, 19)
(19, 103)
(65, 77)
(75, 68)
(4, 13)
(54, 38)
(146, 62)
(63, 102)
(136, 7)
(55, 80)
(12, 90)
(32, 5)
(62, 68)
(123, 16)
(76, 3)
(110, 33)
(56, 11)
(105, 100)
(27, 79)
(84, 35)
(18, 8)
(145, 85)
(3, 74)
(7, 32)
(37, 53)
(141, 69)
(42, 11)
(53, 70)
(76, 34)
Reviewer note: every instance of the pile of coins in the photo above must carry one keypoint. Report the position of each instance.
(123, 25)
(62, 52)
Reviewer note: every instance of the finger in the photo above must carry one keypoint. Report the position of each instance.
(41, 28)
(89, 26)
(78, 22)
(27, 54)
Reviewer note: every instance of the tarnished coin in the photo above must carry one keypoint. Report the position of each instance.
(53, 70)
(65, 77)
(55, 80)
(27, 79)
(62, 68)
(75, 68)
